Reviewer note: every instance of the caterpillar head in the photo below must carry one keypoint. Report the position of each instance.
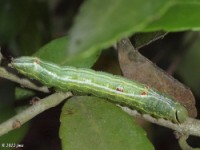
(28, 66)
(181, 113)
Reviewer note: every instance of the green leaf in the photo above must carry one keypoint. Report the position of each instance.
(188, 68)
(53, 51)
(56, 51)
(21, 93)
(12, 18)
(99, 24)
(179, 17)
(89, 123)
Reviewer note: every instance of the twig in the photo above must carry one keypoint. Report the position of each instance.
(24, 82)
(189, 127)
(183, 143)
(32, 111)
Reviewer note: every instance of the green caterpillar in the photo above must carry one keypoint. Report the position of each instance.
(115, 88)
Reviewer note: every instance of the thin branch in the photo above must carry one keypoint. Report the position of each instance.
(32, 111)
(189, 127)
(23, 82)
(183, 143)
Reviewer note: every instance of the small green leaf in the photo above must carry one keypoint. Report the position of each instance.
(89, 123)
(21, 93)
(55, 51)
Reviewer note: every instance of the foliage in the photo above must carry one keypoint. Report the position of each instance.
(76, 33)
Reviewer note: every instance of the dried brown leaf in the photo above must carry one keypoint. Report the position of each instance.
(137, 67)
